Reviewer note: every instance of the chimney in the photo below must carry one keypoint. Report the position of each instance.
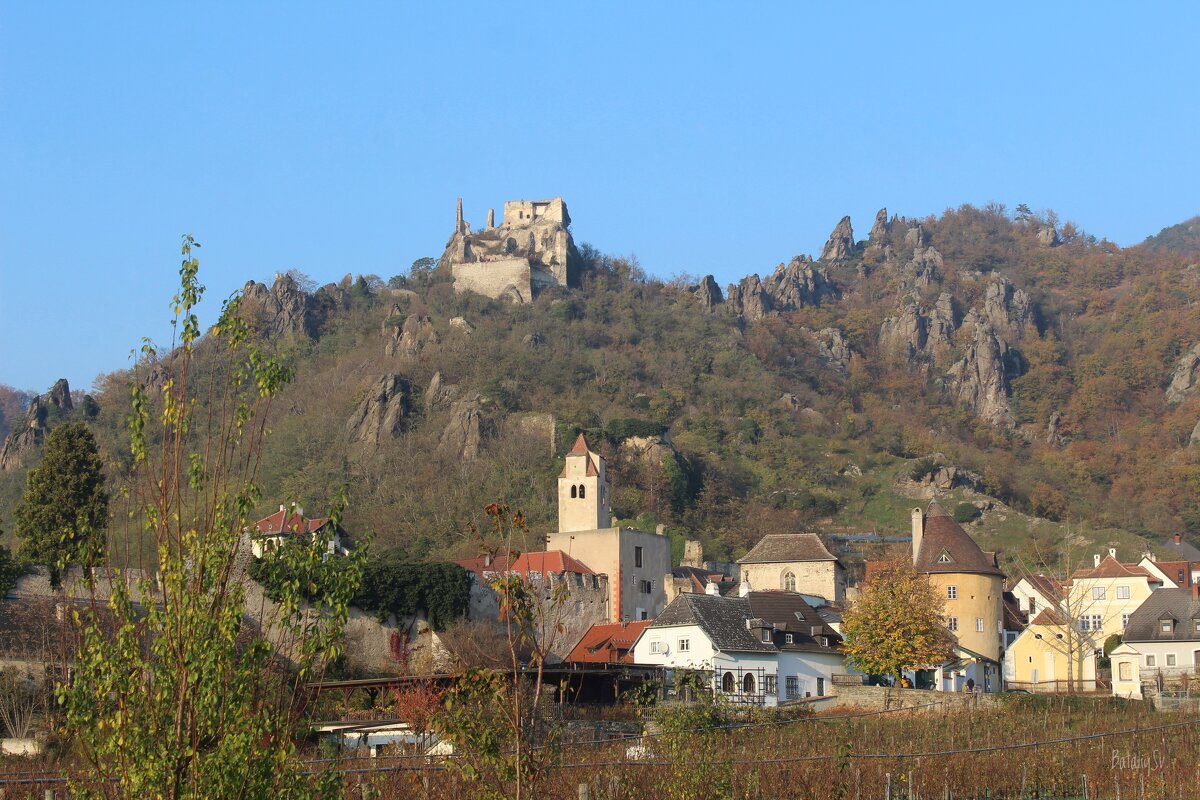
(487, 559)
(1179, 538)
(1096, 560)
(1148, 556)
(744, 589)
(918, 530)
(1112, 552)
(712, 589)
(282, 507)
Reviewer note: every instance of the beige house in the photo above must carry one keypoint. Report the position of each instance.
(794, 562)
(970, 581)
(1050, 655)
(1101, 598)
(636, 562)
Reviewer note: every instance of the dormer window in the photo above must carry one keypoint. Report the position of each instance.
(766, 634)
(944, 558)
(1164, 626)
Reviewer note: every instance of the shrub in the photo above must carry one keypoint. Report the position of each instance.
(966, 512)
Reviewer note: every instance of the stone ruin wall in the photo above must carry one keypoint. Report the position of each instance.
(495, 279)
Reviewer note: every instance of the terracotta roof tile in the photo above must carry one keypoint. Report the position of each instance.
(580, 448)
(1111, 568)
(607, 643)
(555, 561)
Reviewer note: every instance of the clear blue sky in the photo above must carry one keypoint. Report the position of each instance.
(718, 138)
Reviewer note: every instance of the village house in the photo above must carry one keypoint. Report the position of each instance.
(794, 562)
(607, 643)
(270, 532)
(1101, 598)
(1185, 551)
(1161, 642)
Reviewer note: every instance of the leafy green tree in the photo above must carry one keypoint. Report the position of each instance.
(62, 516)
(896, 624)
(172, 694)
(10, 571)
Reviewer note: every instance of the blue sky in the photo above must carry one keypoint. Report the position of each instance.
(720, 138)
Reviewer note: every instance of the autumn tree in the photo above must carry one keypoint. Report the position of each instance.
(62, 516)
(896, 624)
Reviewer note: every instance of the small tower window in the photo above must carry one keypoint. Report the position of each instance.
(574, 490)
(944, 558)
(581, 491)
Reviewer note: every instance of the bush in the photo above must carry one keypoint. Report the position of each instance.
(922, 469)
(966, 512)
(618, 429)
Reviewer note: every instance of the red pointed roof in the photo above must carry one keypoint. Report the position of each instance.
(580, 448)
(943, 535)
(284, 521)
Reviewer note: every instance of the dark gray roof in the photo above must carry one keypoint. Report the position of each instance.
(723, 619)
(1185, 550)
(1177, 604)
(790, 613)
(787, 547)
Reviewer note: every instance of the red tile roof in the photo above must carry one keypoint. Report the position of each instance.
(555, 561)
(283, 521)
(607, 643)
(580, 448)
(481, 564)
(1111, 568)
(1173, 569)
(1049, 617)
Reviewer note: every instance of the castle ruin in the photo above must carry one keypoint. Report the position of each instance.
(530, 250)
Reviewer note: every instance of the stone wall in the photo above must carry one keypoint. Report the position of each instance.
(881, 698)
(509, 278)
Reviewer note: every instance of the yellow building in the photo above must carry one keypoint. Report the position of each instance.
(1050, 655)
(794, 562)
(972, 585)
(1101, 598)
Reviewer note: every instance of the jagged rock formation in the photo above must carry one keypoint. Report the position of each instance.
(1053, 436)
(707, 292)
(1007, 308)
(916, 236)
(285, 308)
(25, 438)
(1185, 377)
(798, 284)
(380, 414)
(881, 229)
(464, 432)
(903, 337)
(924, 269)
(979, 380)
(537, 425)
(439, 394)
(410, 338)
(833, 348)
(1048, 236)
(841, 243)
(461, 324)
(648, 449)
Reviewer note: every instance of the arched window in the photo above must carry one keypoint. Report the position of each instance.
(789, 581)
(582, 488)
(574, 490)
(729, 683)
(748, 683)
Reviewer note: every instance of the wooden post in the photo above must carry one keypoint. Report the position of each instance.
(585, 792)
(1085, 787)
(614, 788)
(49, 794)
(887, 786)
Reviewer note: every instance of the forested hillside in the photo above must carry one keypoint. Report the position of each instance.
(978, 354)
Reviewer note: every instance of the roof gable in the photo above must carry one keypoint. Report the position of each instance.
(723, 620)
(785, 547)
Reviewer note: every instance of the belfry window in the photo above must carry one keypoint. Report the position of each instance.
(574, 490)
(581, 491)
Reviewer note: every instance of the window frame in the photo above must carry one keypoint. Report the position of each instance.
(951, 592)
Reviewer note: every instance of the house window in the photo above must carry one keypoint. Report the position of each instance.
(729, 683)
(685, 645)
(952, 624)
(1091, 622)
(647, 587)
(641, 613)
(820, 687)
(637, 557)
(1032, 605)
(1125, 671)
(788, 638)
(1124, 621)
(1181, 582)
(574, 490)
(1097, 592)
(792, 685)
(1165, 625)
(581, 491)
(789, 581)
(748, 683)
(1170, 659)
(769, 684)
(1196, 622)
(944, 558)
(951, 592)
(979, 624)
(657, 647)
(1122, 592)
(1149, 661)
(766, 634)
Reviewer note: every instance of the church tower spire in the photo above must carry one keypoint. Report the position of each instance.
(583, 490)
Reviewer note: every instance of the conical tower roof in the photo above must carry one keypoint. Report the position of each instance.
(947, 548)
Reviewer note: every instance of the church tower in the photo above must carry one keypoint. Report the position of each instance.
(583, 491)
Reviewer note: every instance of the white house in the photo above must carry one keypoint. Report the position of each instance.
(1161, 642)
(760, 648)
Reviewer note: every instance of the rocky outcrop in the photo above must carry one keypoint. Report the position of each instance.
(1185, 377)
(461, 324)
(916, 236)
(1195, 438)
(380, 415)
(833, 348)
(707, 293)
(749, 299)
(26, 438)
(979, 380)
(464, 431)
(1007, 308)
(439, 394)
(1054, 436)
(410, 338)
(924, 268)
(903, 337)
(841, 243)
(798, 284)
(535, 425)
(1047, 236)
(284, 308)
(881, 229)
(647, 449)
